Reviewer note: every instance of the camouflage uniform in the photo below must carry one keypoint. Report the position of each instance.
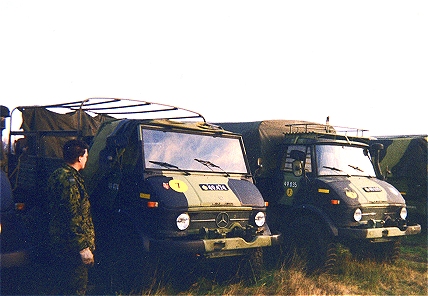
(71, 229)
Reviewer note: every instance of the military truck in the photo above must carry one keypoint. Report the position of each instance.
(403, 163)
(165, 186)
(322, 190)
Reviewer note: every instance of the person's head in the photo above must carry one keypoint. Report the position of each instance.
(75, 153)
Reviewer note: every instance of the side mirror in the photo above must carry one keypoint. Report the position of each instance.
(297, 165)
(375, 149)
(297, 168)
(298, 155)
(259, 167)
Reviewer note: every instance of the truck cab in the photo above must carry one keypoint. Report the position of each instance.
(183, 190)
(322, 190)
(335, 174)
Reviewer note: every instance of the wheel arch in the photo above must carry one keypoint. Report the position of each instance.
(315, 214)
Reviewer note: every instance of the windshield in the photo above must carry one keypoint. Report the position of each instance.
(192, 152)
(343, 160)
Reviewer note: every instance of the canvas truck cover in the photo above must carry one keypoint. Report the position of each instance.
(47, 130)
(265, 138)
(42, 120)
(114, 144)
(404, 161)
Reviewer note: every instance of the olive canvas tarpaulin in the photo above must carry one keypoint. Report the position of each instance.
(39, 120)
(265, 138)
(403, 163)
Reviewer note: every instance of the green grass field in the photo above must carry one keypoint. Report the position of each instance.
(408, 276)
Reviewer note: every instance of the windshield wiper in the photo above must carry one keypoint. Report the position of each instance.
(168, 165)
(356, 168)
(335, 169)
(211, 165)
(332, 168)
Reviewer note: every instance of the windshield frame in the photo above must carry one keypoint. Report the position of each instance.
(196, 163)
(357, 165)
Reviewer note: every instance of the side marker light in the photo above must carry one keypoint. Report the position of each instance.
(152, 204)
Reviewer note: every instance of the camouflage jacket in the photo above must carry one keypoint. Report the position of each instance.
(71, 228)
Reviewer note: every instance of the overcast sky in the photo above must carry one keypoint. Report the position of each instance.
(363, 63)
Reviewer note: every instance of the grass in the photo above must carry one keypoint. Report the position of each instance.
(408, 276)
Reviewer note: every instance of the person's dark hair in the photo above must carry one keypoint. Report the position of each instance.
(73, 149)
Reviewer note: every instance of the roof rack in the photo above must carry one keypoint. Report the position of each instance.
(124, 108)
(310, 127)
(82, 118)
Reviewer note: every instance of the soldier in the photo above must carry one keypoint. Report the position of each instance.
(72, 237)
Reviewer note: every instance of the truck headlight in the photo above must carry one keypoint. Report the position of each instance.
(403, 213)
(260, 219)
(183, 221)
(358, 215)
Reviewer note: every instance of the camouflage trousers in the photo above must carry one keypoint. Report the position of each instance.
(68, 276)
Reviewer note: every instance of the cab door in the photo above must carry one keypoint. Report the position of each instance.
(295, 166)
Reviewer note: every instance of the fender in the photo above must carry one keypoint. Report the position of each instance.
(305, 210)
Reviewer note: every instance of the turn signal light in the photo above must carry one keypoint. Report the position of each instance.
(152, 204)
(335, 201)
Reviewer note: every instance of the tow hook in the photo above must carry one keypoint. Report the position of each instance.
(218, 245)
(402, 224)
(385, 232)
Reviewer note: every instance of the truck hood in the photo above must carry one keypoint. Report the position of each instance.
(203, 191)
(357, 190)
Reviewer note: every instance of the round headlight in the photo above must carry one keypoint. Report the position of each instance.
(358, 215)
(183, 221)
(260, 219)
(403, 213)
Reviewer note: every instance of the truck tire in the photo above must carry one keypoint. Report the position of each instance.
(251, 266)
(246, 268)
(180, 271)
(131, 269)
(387, 252)
(310, 245)
(273, 257)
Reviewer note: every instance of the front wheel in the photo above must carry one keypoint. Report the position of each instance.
(251, 266)
(387, 252)
(310, 245)
(124, 266)
(247, 267)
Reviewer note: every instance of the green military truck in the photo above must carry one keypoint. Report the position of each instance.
(164, 185)
(322, 190)
(403, 163)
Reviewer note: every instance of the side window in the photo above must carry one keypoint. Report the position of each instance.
(287, 162)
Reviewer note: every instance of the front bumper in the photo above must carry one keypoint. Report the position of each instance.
(211, 248)
(378, 233)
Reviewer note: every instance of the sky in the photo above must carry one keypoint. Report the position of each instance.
(362, 63)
